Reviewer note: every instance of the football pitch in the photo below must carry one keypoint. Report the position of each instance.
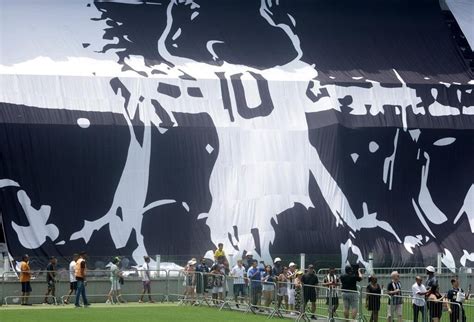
(122, 313)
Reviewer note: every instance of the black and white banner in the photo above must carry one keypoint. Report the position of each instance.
(278, 127)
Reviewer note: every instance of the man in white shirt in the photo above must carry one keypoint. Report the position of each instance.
(238, 276)
(146, 280)
(72, 278)
(418, 292)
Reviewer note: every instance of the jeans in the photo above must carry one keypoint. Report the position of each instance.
(81, 291)
(416, 310)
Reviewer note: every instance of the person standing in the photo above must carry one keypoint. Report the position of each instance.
(51, 279)
(255, 276)
(331, 281)
(72, 277)
(268, 285)
(291, 287)
(431, 280)
(217, 284)
(25, 279)
(80, 272)
(277, 267)
(238, 273)
(310, 281)
(146, 280)
(283, 288)
(394, 289)
(350, 296)
(372, 301)
(299, 292)
(202, 277)
(456, 298)
(435, 303)
(419, 302)
(248, 260)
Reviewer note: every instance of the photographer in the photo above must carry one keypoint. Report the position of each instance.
(350, 296)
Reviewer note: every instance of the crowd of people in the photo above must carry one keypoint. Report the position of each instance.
(426, 299)
(260, 285)
(77, 281)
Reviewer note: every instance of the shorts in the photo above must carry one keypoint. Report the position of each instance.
(309, 295)
(291, 296)
(73, 286)
(26, 287)
(283, 291)
(51, 285)
(239, 289)
(351, 300)
(217, 289)
(147, 286)
(115, 285)
(394, 310)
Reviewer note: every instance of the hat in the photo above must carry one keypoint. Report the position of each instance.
(430, 269)
(278, 259)
(249, 254)
(292, 264)
(192, 262)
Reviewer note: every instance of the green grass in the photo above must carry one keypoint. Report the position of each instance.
(122, 313)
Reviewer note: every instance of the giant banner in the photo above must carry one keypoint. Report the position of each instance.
(277, 127)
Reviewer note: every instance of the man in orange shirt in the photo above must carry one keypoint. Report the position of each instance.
(80, 272)
(25, 277)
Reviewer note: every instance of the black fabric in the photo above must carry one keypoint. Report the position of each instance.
(349, 282)
(374, 48)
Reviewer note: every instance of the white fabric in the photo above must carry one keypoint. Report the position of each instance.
(463, 11)
(238, 273)
(418, 300)
(145, 272)
(72, 271)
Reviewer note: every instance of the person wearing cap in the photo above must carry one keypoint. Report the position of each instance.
(395, 302)
(350, 297)
(247, 260)
(291, 276)
(50, 279)
(146, 280)
(455, 300)
(190, 279)
(80, 272)
(72, 278)
(25, 278)
(298, 291)
(310, 281)
(331, 281)
(431, 280)
(277, 266)
(419, 302)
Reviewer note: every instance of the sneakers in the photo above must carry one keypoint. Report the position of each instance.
(77, 306)
(140, 301)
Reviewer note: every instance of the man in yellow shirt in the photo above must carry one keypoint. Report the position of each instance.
(219, 252)
(25, 278)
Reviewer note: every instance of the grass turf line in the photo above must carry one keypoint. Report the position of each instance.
(122, 313)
